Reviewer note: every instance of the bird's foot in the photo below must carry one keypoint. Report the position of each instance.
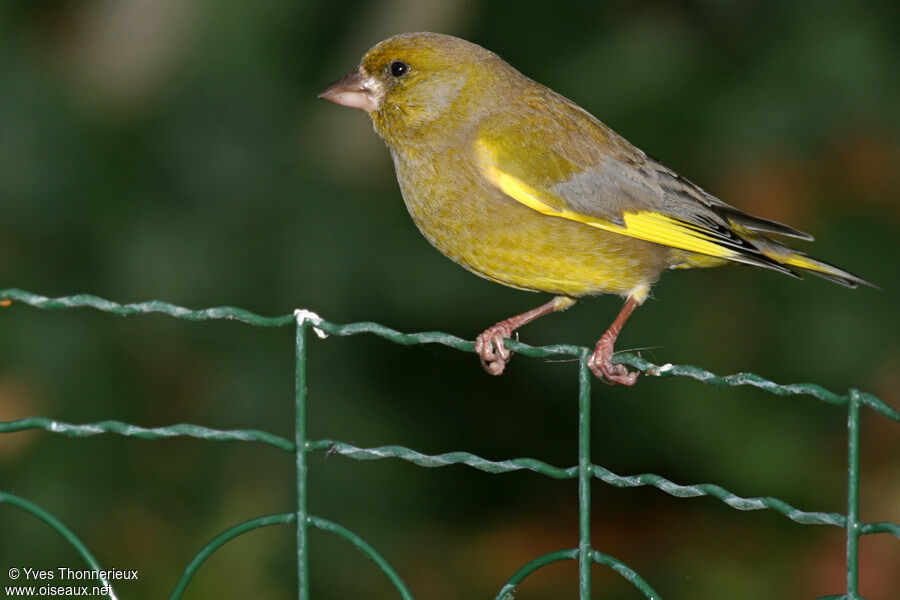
(600, 364)
(491, 350)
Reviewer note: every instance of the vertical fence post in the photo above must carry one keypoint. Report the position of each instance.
(853, 524)
(300, 452)
(585, 552)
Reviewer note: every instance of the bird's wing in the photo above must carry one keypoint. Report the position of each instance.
(624, 192)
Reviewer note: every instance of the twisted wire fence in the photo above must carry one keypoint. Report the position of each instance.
(585, 471)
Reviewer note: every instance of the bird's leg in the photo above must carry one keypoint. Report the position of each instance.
(489, 345)
(600, 361)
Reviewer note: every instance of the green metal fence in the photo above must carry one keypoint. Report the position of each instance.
(585, 471)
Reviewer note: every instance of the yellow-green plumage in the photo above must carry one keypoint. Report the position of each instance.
(520, 185)
(473, 222)
(456, 99)
(467, 217)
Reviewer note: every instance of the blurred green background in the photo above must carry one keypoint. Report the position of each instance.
(158, 149)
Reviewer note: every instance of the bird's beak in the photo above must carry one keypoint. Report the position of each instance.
(356, 91)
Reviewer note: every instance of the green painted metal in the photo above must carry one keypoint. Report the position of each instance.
(433, 337)
(153, 306)
(57, 526)
(853, 498)
(218, 541)
(880, 527)
(506, 592)
(530, 464)
(280, 519)
(446, 459)
(155, 433)
(585, 471)
(585, 475)
(366, 549)
(628, 573)
(300, 454)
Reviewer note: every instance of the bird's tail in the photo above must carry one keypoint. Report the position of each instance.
(793, 258)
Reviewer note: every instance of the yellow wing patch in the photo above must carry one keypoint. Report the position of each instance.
(663, 229)
(644, 225)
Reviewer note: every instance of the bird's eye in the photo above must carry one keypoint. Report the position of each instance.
(399, 68)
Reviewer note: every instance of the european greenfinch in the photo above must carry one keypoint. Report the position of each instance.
(523, 187)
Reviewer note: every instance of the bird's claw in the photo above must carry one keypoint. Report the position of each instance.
(491, 350)
(600, 364)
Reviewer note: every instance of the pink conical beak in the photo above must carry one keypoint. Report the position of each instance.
(353, 90)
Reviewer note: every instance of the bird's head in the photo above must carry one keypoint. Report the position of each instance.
(415, 83)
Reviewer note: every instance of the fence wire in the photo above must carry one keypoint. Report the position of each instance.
(585, 471)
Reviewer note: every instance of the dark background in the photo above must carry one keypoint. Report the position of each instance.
(158, 149)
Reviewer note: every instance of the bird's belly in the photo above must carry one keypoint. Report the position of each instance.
(504, 241)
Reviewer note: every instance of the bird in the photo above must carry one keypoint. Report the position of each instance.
(523, 187)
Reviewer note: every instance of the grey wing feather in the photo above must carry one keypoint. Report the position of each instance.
(635, 181)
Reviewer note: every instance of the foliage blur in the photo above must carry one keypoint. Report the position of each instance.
(158, 149)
